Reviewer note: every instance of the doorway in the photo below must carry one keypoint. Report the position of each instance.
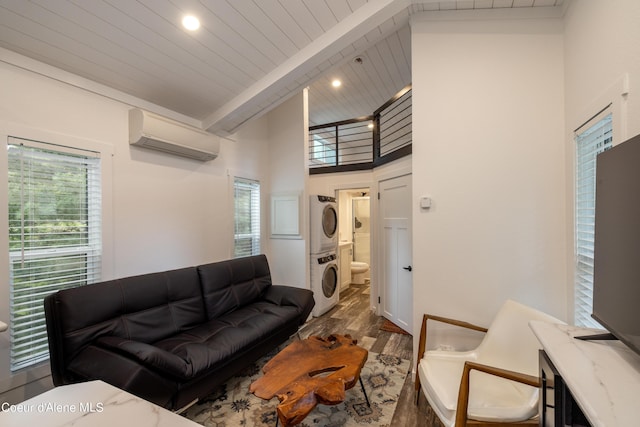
(354, 231)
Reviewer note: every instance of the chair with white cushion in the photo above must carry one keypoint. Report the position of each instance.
(505, 388)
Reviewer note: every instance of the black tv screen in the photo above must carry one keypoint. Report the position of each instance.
(616, 281)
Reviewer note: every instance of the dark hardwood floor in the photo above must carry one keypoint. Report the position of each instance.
(353, 316)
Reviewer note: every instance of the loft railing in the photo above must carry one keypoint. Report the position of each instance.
(365, 142)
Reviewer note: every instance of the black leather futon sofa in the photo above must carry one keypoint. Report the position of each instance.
(172, 337)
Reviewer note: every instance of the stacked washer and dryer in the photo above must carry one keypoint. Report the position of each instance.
(324, 243)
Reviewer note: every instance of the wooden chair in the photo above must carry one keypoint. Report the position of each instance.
(504, 390)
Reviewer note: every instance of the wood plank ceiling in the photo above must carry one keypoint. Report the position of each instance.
(247, 57)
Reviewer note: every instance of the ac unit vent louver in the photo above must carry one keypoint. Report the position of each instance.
(155, 132)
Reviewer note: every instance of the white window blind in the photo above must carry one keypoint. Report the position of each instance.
(592, 139)
(247, 217)
(54, 235)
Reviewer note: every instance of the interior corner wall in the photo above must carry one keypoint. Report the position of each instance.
(488, 149)
(602, 66)
(288, 124)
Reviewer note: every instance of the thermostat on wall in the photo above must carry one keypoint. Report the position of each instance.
(425, 202)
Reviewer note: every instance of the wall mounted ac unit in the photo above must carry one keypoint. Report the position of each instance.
(152, 131)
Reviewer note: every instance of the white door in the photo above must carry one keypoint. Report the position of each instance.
(396, 293)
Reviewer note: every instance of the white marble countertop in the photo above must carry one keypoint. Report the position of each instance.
(90, 404)
(603, 376)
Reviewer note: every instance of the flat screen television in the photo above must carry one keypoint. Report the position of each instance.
(616, 280)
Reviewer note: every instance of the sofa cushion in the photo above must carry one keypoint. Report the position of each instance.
(221, 340)
(231, 284)
(142, 308)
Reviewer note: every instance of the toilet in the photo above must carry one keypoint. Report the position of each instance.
(359, 272)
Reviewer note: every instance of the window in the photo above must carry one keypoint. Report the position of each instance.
(323, 152)
(591, 139)
(247, 217)
(54, 235)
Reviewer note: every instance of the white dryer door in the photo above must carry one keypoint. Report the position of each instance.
(330, 281)
(329, 221)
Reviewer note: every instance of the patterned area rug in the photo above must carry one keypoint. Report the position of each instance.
(232, 405)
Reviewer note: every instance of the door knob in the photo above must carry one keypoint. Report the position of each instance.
(408, 268)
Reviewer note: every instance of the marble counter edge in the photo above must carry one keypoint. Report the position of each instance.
(601, 375)
(92, 403)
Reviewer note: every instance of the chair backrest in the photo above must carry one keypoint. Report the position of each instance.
(509, 342)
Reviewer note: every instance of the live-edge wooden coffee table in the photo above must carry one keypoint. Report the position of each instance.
(311, 371)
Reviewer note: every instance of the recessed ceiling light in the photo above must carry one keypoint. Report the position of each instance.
(336, 83)
(190, 22)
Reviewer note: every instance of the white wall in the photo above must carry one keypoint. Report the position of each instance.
(166, 212)
(602, 51)
(488, 148)
(172, 212)
(288, 124)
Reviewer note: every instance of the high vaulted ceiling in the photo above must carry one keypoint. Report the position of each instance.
(247, 57)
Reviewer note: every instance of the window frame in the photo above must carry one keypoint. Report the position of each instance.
(615, 96)
(255, 202)
(39, 371)
(582, 225)
(81, 259)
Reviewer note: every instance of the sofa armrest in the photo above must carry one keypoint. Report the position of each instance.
(54, 337)
(288, 295)
(148, 355)
(122, 371)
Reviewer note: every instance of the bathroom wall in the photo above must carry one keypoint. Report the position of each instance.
(350, 203)
(344, 216)
(360, 218)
